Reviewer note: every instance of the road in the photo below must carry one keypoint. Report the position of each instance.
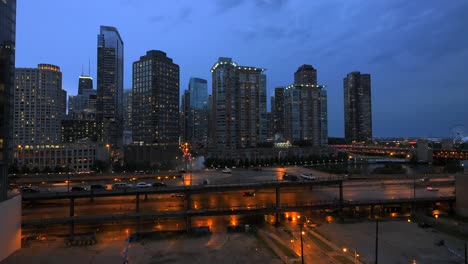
(353, 190)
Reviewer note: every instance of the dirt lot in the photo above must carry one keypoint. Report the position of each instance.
(399, 242)
(215, 248)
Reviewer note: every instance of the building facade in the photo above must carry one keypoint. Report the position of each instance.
(156, 89)
(277, 109)
(74, 130)
(127, 117)
(184, 124)
(38, 105)
(7, 80)
(239, 105)
(357, 107)
(109, 105)
(79, 156)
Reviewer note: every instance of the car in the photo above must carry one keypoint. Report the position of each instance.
(143, 185)
(226, 170)
(159, 184)
(425, 179)
(289, 177)
(97, 187)
(432, 189)
(308, 176)
(248, 194)
(424, 224)
(30, 189)
(121, 185)
(78, 189)
(182, 171)
(177, 195)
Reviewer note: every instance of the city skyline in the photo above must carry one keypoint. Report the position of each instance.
(399, 43)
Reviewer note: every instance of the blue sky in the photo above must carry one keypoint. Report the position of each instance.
(416, 51)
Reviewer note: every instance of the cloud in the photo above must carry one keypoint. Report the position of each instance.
(226, 5)
(270, 4)
(185, 12)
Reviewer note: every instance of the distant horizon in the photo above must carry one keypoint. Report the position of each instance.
(412, 50)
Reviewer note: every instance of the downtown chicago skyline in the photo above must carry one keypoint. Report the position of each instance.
(281, 47)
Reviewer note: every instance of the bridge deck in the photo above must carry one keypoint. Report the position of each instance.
(240, 210)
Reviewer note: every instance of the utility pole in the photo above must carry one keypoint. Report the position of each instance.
(302, 246)
(376, 241)
(466, 259)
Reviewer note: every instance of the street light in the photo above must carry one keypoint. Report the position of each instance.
(356, 255)
(302, 234)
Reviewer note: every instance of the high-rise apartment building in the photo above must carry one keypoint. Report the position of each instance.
(38, 105)
(305, 108)
(305, 74)
(7, 79)
(109, 105)
(239, 105)
(357, 107)
(156, 89)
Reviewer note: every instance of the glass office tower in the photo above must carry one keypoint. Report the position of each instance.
(7, 76)
(109, 105)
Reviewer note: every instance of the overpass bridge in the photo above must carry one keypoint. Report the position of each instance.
(193, 189)
(256, 209)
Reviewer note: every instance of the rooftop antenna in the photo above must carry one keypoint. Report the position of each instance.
(81, 69)
(89, 67)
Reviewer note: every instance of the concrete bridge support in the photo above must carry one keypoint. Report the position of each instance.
(72, 213)
(188, 206)
(137, 210)
(341, 200)
(278, 206)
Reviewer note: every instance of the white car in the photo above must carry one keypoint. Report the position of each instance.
(121, 185)
(143, 185)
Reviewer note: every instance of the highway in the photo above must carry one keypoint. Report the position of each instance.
(353, 191)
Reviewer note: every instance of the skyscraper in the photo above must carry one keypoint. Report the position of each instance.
(184, 116)
(84, 83)
(305, 105)
(357, 107)
(277, 110)
(198, 111)
(109, 112)
(156, 90)
(80, 106)
(305, 74)
(7, 76)
(127, 116)
(239, 105)
(39, 105)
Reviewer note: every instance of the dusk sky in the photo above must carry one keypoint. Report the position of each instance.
(415, 50)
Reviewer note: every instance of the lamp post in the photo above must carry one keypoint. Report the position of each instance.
(302, 234)
(355, 254)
